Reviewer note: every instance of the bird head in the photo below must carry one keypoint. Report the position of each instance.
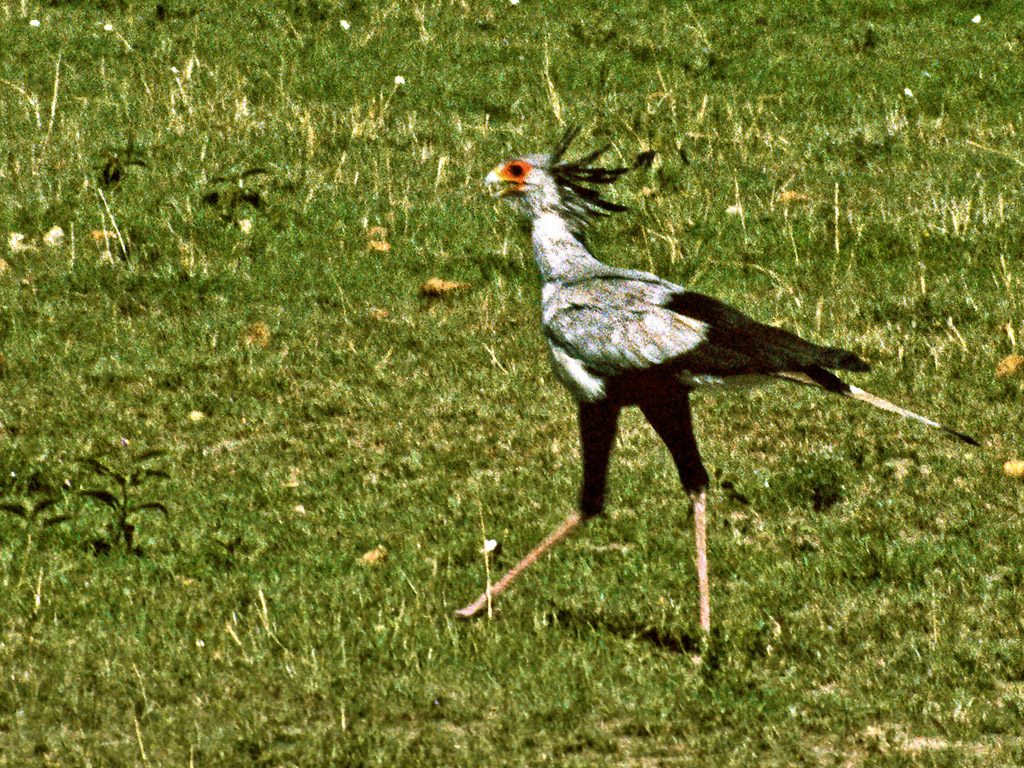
(538, 184)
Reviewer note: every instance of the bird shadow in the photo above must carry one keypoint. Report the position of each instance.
(629, 628)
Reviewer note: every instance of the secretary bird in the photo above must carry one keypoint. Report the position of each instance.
(622, 337)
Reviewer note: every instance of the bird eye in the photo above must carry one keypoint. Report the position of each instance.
(515, 169)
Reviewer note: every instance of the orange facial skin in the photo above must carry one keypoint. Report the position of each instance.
(513, 174)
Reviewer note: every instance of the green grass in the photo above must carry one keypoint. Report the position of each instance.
(866, 574)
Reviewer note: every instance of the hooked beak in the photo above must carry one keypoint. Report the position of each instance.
(500, 186)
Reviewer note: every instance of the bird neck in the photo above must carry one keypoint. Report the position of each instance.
(559, 252)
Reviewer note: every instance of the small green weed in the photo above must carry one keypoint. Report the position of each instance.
(128, 478)
(33, 512)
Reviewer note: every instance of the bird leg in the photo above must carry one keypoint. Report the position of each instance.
(598, 423)
(699, 501)
(670, 416)
(556, 536)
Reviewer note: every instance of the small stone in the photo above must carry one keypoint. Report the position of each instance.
(17, 242)
(54, 237)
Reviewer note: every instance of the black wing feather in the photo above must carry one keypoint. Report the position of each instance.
(737, 344)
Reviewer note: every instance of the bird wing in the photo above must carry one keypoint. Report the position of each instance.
(615, 325)
(630, 321)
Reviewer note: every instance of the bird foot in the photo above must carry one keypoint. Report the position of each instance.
(471, 610)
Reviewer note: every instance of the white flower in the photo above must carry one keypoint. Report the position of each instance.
(346, 24)
(977, 19)
(490, 545)
(108, 27)
(908, 93)
(399, 80)
(513, 2)
(34, 23)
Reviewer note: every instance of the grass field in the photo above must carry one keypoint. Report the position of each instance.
(247, 469)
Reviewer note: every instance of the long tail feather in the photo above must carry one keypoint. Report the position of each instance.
(818, 377)
(879, 402)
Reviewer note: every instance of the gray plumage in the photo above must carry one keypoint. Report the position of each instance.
(615, 323)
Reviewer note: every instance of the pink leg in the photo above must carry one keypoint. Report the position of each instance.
(700, 523)
(563, 530)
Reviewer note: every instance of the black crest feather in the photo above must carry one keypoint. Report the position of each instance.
(581, 202)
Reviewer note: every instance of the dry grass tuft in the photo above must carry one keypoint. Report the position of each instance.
(1011, 365)
(377, 239)
(374, 556)
(1014, 468)
(435, 287)
(257, 334)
